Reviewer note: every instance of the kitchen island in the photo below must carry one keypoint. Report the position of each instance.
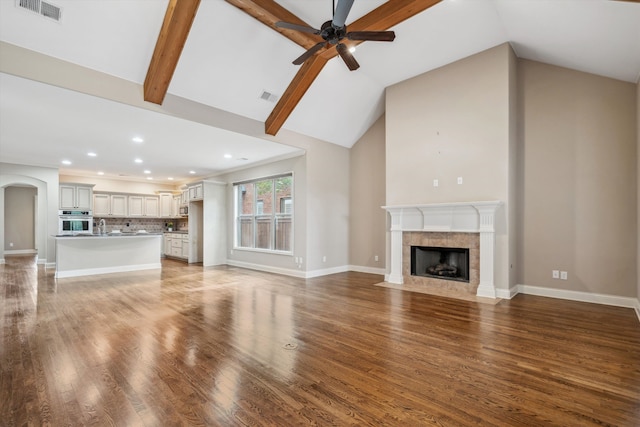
(87, 254)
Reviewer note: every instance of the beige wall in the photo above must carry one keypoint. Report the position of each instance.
(327, 208)
(578, 210)
(19, 218)
(367, 194)
(456, 122)
(638, 184)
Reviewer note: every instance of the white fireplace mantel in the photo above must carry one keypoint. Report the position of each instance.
(460, 217)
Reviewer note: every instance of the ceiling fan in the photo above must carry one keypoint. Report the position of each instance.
(181, 13)
(334, 31)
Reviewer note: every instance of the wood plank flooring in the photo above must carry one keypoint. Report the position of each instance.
(223, 346)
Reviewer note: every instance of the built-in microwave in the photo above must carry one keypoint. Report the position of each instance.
(184, 210)
(74, 222)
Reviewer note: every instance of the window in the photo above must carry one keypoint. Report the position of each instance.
(264, 214)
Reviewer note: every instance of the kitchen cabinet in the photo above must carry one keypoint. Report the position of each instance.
(109, 205)
(195, 192)
(175, 207)
(75, 196)
(166, 205)
(185, 246)
(143, 206)
(185, 197)
(176, 245)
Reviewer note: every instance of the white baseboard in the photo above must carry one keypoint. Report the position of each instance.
(48, 265)
(614, 300)
(2, 261)
(303, 274)
(370, 270)
(267, 268)
(21, 252)
(326, 271)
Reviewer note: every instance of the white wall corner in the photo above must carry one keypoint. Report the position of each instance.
(637, 308)
(48, 265)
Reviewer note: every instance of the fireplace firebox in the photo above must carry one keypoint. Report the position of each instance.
(440, 263)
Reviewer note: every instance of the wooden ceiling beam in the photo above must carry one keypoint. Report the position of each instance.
(294, 93)
(269, 12)
(175, 28)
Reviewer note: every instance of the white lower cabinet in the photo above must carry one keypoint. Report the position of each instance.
(176, 245)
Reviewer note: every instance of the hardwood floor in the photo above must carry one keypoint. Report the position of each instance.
(225, 346)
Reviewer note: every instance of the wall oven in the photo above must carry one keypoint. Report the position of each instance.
(74, 222)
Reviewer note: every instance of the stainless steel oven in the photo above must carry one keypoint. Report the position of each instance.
(74, 222)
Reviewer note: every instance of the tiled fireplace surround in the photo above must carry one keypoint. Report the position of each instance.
(456, 225)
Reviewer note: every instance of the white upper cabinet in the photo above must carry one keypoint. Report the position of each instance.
(143, 206)
(166, 205)
(109, 205)
(195, 192)
(76, 196)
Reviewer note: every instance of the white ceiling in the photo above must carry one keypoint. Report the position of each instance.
(230, 59)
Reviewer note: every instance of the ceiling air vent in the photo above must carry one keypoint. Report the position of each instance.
(268, 96)
(40, 7)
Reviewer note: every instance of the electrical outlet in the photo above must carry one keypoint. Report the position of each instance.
(375, 258)
(436, 182)
(11, 244)
(555, 274)
(324, 258)
(459, 180)
(563, 275)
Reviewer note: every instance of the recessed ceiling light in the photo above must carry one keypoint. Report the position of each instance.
(91, 154)
(100, 173)
(149, 177)
(138, 160)
(192, 172)
(66, 162)
(228, 156)
(147, 171)
(170, 178)
(137, 139)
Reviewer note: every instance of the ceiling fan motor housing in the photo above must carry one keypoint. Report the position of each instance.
(332, 34)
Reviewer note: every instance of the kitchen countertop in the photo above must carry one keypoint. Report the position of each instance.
(103, 236)
(176, 232)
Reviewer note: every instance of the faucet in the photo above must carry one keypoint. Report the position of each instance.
(102, 227)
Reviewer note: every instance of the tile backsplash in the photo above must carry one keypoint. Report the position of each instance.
(151, 225)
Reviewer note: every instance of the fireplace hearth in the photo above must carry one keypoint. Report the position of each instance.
(440, 263)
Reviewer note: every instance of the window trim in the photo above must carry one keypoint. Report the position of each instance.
(273, 216)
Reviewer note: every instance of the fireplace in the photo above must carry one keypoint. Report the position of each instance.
(445, 225)
(440, 263)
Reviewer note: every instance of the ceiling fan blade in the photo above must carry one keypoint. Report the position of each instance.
(341, 13)
(309, 53)
(296, 27)
(376, 36)
(346, 56)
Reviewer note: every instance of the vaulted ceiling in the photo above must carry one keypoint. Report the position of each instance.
(230, 58)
